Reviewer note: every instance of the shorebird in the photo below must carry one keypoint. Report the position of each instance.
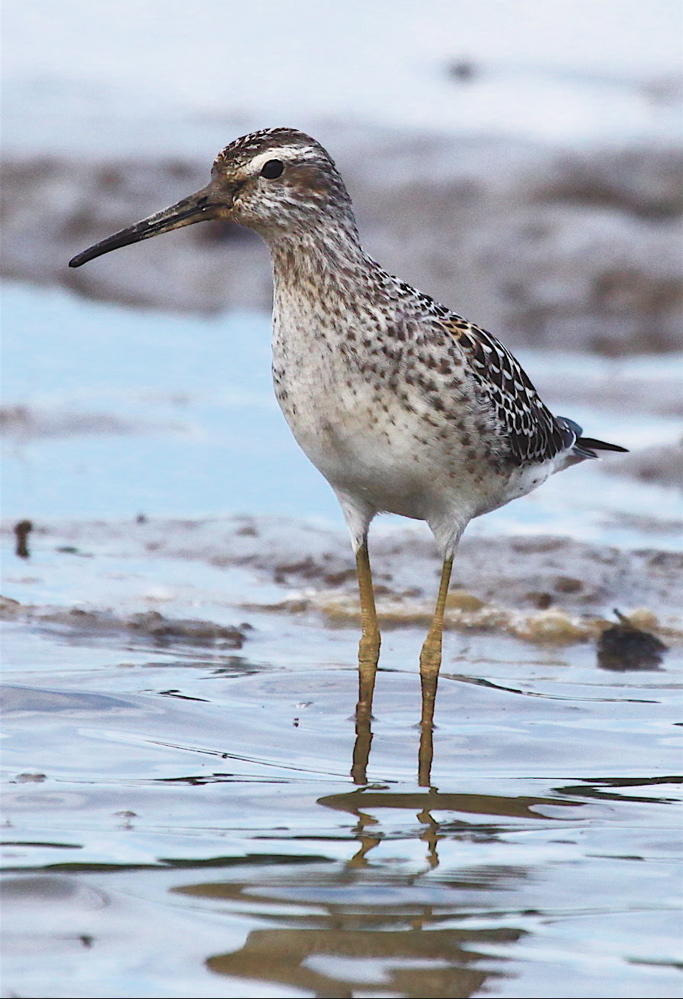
(404, 406)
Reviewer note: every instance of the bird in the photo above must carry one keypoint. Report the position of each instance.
(403, 405)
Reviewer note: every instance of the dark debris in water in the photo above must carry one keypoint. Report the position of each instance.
(625, 647)
(21, 532)
(174, 692)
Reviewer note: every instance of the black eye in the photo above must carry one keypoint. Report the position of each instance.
(272, 169)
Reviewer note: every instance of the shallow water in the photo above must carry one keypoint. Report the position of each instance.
(186, 816)
(169, 415)
(181, 820)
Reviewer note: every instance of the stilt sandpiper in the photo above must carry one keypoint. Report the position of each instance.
(403, 405)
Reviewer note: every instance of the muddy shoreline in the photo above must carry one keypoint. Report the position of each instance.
(537, 588)
(547, 248)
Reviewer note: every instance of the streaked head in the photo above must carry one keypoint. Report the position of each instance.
(276, 181)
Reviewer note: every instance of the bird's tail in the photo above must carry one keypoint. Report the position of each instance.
(586, 447)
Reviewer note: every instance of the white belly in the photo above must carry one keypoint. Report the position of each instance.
(387, 450)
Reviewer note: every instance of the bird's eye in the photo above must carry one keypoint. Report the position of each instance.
(272, 169)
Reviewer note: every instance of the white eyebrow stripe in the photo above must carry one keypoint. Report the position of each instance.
(281, 153)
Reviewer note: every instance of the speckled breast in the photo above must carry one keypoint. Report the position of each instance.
(368, 422)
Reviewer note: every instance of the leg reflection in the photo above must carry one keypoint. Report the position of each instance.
(430, 836)
(367, 841)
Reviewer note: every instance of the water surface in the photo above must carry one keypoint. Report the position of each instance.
(182, 821)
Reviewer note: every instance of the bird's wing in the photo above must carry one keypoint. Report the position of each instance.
(530, 430)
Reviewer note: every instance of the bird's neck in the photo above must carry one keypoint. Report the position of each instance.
(327, 260)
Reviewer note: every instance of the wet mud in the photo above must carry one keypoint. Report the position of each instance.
(540, 589)
(145, 625)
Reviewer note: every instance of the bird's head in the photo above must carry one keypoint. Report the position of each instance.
(276, 181)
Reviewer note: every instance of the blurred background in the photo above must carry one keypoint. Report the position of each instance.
(520, 161)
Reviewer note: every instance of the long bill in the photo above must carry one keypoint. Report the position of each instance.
(198, 207)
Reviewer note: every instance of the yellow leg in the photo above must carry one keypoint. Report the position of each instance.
(426, 750)
(368, 647)
(362, 744)
(430, 656)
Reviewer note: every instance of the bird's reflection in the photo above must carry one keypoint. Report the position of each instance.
(335, 962)
(342, 930)
(363, 802)
(361, 926)
(341, 938)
